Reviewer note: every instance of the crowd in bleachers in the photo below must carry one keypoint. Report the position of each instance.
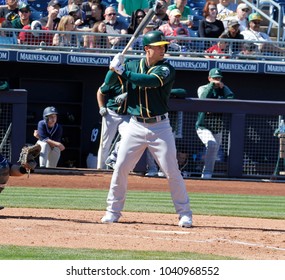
(104, 25)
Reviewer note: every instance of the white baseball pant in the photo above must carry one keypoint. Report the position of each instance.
(212, 143)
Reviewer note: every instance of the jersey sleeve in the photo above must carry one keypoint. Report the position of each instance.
(155, 77)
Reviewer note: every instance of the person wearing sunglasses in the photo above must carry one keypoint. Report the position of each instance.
(114, 27)
(242, 13)
(210, 26)
(136, 19)
(253, 33)
(24, 16)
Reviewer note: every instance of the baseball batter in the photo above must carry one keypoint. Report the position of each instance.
(49, 133)
(209, 125)
(114, 116)
(149, 83)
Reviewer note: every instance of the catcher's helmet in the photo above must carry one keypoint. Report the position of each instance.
(154, 38)
(49, 111)
(4, 171)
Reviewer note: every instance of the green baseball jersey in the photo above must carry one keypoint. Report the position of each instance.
(111, 92)
(148, 88)
(212, 121)
(16, 23)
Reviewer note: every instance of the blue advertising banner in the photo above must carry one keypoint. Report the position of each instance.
(184, 63)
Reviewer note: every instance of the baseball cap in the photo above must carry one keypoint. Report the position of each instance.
(36, 25)
(233, 22)
(180, 31)
(54, 3)
(254, 16)
(175, 12)
(242, 6)
(74, 9)
(24, 6)
(215, 73)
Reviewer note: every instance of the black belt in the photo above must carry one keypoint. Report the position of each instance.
(150, 120)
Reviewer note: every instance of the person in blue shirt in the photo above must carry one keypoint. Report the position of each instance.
(49, 134)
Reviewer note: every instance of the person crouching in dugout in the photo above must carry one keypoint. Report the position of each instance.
(49, 133)
(8, 169)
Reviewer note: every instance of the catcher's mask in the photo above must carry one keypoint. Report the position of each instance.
(4, 171)
(49, 111)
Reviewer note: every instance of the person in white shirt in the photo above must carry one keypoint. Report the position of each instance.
(242, 16)
(225, 8)
(253, 33)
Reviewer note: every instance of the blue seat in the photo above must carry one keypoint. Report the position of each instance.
(196, 45)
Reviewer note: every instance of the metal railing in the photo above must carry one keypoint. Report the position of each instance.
(250, 147)
(178, 47)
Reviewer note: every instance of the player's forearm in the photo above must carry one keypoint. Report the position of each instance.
(100, 99)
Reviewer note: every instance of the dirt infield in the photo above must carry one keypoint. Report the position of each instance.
(244, 238)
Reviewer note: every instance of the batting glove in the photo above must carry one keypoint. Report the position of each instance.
(121, 98)
(117, 64)
(103, 111)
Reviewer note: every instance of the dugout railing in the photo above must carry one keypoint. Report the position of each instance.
(249, 148)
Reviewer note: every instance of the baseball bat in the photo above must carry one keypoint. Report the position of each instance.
(141, 26)
(5, 138)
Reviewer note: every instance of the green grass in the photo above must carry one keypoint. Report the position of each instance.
(47, 253)
(270, 207)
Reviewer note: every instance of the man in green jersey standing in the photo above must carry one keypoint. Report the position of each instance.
(149, 83)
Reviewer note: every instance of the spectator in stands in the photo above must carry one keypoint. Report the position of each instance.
(97, 41)
(136, 19)
(242, 16)
(233, 32)
(127, 7)
(210, 27)
(64, 11)
(209, 126)
(254, 34)
(219, 48)
(115, 27)
(24, 17)
(9, 11)
(175, 28)
(7, 37)
(35, 38)
(89, 7)
(97, 13)
(226, 9)
(174, 22)
(161, 16)
(51, 20)
(185, 11)
(66, 23)
(77, 14)
(249, 51)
